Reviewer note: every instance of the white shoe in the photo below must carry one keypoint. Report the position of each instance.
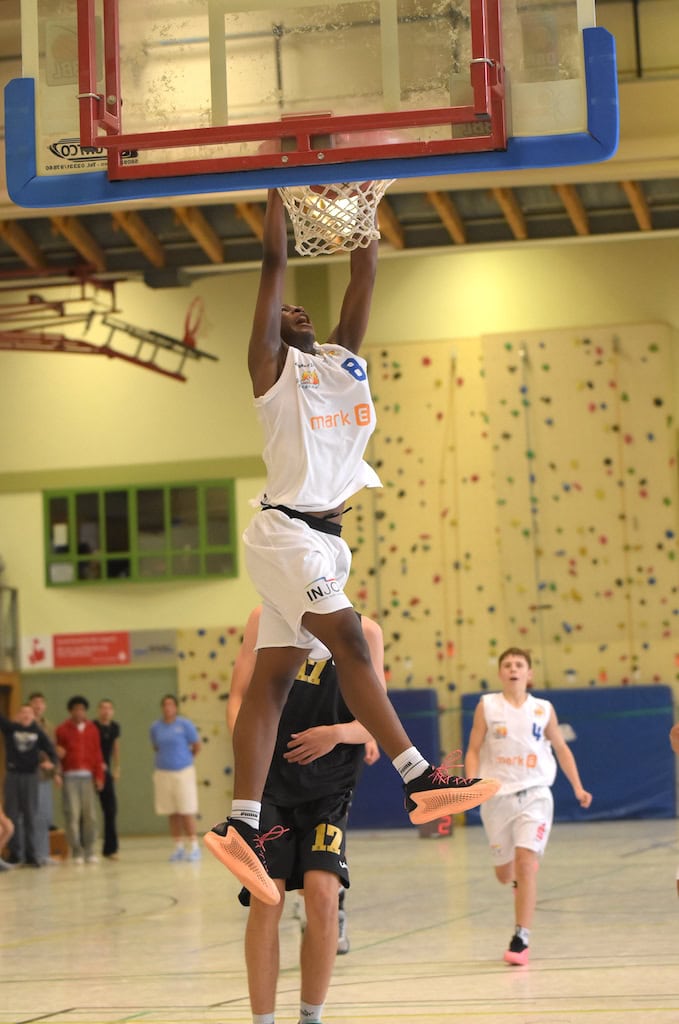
(92, 859)
(78, 860)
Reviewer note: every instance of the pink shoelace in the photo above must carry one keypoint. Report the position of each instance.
(274, 833)
(443, 772)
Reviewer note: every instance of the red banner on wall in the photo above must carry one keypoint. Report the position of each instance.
(75, 650)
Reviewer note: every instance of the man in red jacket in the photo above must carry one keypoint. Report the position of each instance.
(83, 768)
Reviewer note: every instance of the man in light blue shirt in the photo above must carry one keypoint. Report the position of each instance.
(176, 742)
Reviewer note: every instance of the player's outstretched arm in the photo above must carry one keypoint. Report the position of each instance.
(355, 312)
(564, 756)
(476, 736)
(266, 352)
(674, 738)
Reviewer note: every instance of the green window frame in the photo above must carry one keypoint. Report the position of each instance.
(146, 533)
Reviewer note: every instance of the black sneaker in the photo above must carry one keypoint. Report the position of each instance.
(437, 792)
(517, 954)
(241, 849)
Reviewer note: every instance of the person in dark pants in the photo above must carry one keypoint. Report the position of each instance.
(26, 747)
(109, 736)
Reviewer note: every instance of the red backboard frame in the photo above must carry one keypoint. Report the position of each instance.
(307, 137)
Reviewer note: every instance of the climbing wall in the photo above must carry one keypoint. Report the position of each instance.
(204, 666)
(530, 498)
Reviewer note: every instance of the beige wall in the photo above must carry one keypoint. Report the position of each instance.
(62, 416)
(442, 552)
(60, 413)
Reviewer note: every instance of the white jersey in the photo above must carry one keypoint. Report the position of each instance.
(514, 749)
(317, 418)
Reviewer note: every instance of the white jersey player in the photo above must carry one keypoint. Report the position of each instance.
(314, 405)
(515, 737)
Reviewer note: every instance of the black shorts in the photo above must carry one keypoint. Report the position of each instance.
(315, 841)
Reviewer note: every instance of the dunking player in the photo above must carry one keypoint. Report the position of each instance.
(319, 750)
(316, 410)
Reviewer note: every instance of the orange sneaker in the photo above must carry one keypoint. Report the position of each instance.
(241, 849)
(438, 792)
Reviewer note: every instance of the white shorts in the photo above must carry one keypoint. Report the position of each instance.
(518, 819)
(175, 792)
(296, 569)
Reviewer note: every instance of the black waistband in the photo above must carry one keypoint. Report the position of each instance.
(322, 525)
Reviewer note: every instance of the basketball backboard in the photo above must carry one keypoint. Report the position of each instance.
(176, 97)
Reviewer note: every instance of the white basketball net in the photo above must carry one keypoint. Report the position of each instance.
(331, 218)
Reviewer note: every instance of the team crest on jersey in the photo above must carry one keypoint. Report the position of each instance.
(499, 731)
(308, 377)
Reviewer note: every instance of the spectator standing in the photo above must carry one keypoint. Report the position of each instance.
(176, 742)
(25, 746)
(47, 778)
(6, 833)
(109, 737)
(83, 767)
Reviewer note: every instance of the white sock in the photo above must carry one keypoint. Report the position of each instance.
(263, 1018)
(247, 811)
(310, 1013)
(179, 844)
(194, 842)
(410, 764)
(523, 934)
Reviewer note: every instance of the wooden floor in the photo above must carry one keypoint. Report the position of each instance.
(145, 940)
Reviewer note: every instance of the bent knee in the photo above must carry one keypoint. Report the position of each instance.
(505, 873)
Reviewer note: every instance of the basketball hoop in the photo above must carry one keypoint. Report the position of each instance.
(334, 218)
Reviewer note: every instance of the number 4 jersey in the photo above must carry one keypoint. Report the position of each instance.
(515, 749)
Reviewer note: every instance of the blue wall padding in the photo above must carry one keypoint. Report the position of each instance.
(621, 747)
(378, 800)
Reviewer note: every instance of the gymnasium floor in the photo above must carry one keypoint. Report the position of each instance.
(145, 940)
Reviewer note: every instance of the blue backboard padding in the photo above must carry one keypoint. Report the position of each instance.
(621, 748)
(598, 143)
(378, 800)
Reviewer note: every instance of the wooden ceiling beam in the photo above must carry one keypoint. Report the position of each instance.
(450, 216)
(389, 225)
(253, 215)
(138, 231)
(19, 240)
(75, 232)
(511, 211)
(196, 224)
(574, 208)
(637, 200)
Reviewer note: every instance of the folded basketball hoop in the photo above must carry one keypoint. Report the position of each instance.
(331, 218)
